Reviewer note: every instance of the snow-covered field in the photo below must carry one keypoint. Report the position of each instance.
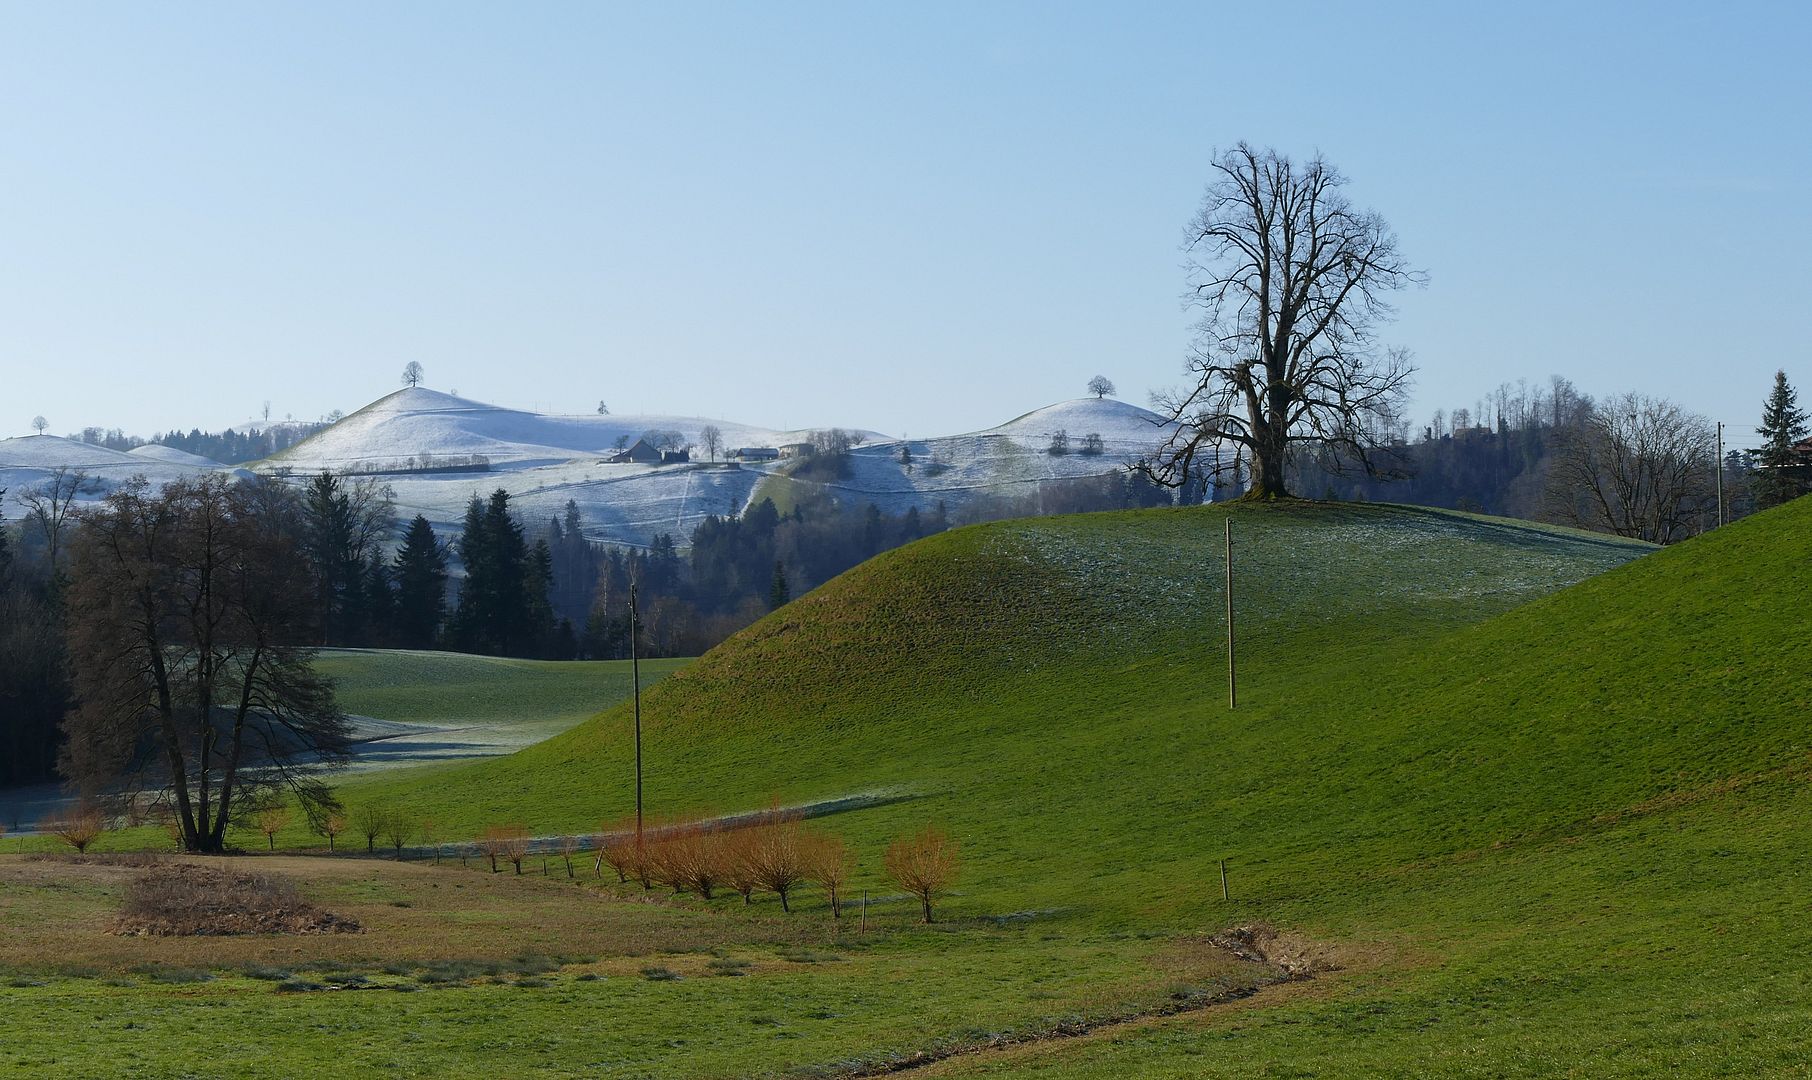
(544, 461)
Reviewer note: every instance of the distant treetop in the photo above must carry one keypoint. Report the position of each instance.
(412, 373)
(1100, 386)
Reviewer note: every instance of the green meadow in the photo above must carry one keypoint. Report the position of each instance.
(1530, 802)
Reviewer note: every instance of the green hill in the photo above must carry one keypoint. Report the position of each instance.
(1538, 797)
(1521, 807)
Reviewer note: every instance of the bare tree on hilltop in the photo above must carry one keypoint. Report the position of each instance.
(1100, 386)
(1291, 279)
(1636, 466)
(412, 373)
(38, 424)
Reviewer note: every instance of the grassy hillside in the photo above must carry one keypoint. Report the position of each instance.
(520, 701)
(1540, 829)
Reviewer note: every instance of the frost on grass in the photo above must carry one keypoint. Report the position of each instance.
(1139, 580)
(183, 899)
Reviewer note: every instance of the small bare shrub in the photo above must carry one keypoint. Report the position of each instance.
(923, 865)
(739, 863)
(827, 865)
(568, 846)
(617, 849)
(776, 854)
(82, 826)
(506, 842)
(369, 820)
(270, 821)
(399, 829)
(331, 825)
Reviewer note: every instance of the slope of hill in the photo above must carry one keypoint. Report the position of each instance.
(32, 459)
(1589, 805)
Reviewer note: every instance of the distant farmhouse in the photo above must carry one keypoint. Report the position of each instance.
(642, 452)
(755, 453)
(797, 450)
(639, 453)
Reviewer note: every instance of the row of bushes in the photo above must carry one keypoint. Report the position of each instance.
(773, 851)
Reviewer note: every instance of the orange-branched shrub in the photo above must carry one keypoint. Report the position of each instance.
(271, 821)
(83, 825)
(331, 826)
(739, 866)
(515, 844)
(924, 865)
(692, 857)
(776, 853)
(499, 842)
(616, 849)
(827, 865)
(568, 846)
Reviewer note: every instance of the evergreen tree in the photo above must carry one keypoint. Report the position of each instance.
(421, 586)
(777, 594)
(1783, 424)
(538, 613)
(379, 607)
(6, 551)
(493, 612)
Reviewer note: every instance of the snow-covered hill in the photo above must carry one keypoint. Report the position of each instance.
(419, 426)
(33, 459)
(1009, 461)
(437, 451)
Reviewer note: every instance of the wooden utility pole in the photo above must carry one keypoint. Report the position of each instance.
(635, 676)
(1720, 470)
(1232, 671)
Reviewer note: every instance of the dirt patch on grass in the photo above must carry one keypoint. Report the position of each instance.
(1261, 943)
(183, 899)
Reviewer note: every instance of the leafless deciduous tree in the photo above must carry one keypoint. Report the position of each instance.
(924, 865)
(1292, 282)
(711, 439)
(1100, 386)
(271, 820)
(48, 504)
(39, 424)
(1636, 466)
(412, 373)
(180, 611)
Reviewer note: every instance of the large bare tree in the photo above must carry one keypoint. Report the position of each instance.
(49, 503)
(1636, 466)
(182, 609)
(1292, 282)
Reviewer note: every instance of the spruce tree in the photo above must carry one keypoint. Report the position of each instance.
(778, 594)
(421, 586)
(1783, 424)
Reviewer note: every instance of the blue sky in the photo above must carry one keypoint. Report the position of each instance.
(916, 218)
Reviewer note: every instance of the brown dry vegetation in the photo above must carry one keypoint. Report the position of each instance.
(410, 912)
(83, 825)
(183, 899)
(924, 865)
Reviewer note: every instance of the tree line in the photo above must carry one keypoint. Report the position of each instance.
(1631, 464)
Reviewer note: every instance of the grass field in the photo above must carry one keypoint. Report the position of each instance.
(488, 700)
(1539, 832)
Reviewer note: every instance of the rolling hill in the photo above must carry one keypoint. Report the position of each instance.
(1505, 806)
(436, 451)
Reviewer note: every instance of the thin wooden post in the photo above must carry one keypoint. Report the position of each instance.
(1232, 671)
(1720, 472)
(864, 911)
(1224, 895)
(635, 675)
